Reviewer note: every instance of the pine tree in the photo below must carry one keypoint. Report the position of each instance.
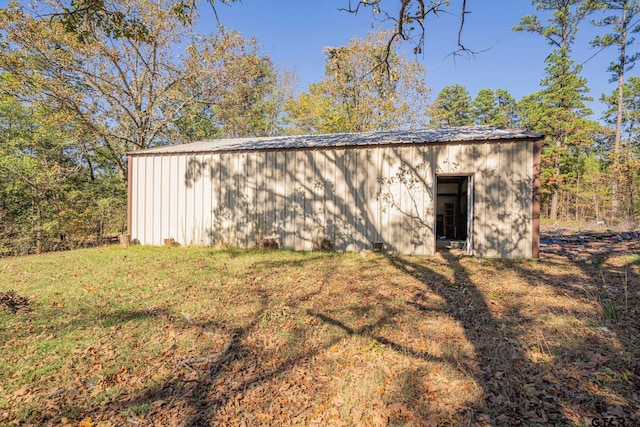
(493, 108)
(562, 99)
(452, 107)
(623, 24)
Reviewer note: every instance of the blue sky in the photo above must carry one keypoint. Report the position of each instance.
(294, 32)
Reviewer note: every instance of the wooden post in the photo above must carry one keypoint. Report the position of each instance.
(125, 240)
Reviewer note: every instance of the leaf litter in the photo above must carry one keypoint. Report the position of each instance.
(14, 302)
(326, 339)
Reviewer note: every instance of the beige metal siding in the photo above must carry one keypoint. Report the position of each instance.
(348, 196)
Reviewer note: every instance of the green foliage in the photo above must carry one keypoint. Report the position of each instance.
(113, 22)
(452, 108)
(623, 108)
(49, 197)
(137, 92)
(314, 112)
(558, 110)
(624, 164)
(84, 85)
(564, 18)
(493, 108)
(364, 89)
(623, 23)
(630, 108)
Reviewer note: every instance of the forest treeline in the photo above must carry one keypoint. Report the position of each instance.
(78, 91)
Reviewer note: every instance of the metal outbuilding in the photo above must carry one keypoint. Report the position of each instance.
(408, 192)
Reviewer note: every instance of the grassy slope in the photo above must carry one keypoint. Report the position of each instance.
(191, 336)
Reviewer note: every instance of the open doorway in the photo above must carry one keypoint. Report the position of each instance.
(454, 213)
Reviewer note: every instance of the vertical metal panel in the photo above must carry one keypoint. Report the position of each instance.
(394, 199)
(261, 195)
(493, 190)
(172, 197)
(375, 180)
(367, 176)
(224, 225)
(351, 196)
(196, 188)
(453, 158)
(250, 193)
(148, 201)
(413, 200)
(156, 217)
(290, 206)
(239, 207)
(296, 174)
(213, 225)
(410, 193)
(522, 188)
(299, 167)
(423, 199)
(190, 226)
(383, 217)
(506, 209)
(428, 156)
(279, 193)
(182, 232)
(134, 192)
(363, 215)
(395, 203)
(416, 202)
(234, 200)
(465, 158)
(165, 185)
(309, 197)
(535, 210)
(468, 157)
(204, 195)
(129, 193)
(401, 223)
(207, 199)
(142, 197)
(339, 200)
(480, 199)
(269, 175)
(350, 206)
(385, 200)
(319, 192)
(441, 158)
(328, 195)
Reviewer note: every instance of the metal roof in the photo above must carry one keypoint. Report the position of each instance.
(443, 135)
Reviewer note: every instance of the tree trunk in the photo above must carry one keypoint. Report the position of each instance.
(620, 100)
(38, 231)
(577, 198)
(553, 214)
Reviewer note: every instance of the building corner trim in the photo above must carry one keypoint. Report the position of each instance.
(535, 238)
(129, 192)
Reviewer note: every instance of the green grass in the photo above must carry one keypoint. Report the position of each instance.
(195, 335)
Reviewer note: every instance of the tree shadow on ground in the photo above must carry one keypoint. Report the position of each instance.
(212, 383)
(515, 389)
(604, 349)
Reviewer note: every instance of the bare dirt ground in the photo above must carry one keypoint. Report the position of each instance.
(588, 242)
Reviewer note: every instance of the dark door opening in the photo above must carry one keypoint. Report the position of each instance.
(454, 213)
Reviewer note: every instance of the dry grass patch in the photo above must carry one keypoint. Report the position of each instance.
(193, 336)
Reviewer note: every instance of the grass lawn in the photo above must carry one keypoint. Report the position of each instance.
(196, 336)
